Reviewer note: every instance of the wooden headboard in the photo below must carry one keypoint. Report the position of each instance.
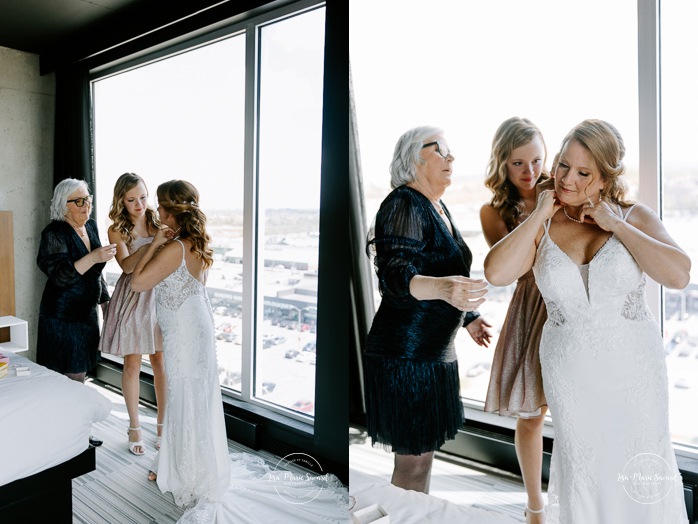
(7, 271)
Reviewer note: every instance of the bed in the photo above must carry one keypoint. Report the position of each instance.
(45, 423)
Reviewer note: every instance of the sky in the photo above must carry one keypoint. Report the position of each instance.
(184, 117)
(467, 66)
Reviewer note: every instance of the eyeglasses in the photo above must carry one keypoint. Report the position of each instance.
(440, 149)
(81, 201)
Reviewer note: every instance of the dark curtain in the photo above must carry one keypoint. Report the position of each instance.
(72, 156)
(361, 270)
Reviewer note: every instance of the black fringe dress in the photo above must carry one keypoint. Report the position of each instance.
(411, 380)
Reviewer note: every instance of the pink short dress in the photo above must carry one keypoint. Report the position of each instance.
(516, 386)
(130, 325)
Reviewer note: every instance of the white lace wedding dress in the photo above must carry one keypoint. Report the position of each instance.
(605, 379)
(193, 461)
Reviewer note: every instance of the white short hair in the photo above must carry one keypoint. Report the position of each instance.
(406, 156)
(59, 204)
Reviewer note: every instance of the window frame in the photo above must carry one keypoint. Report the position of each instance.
(253, 306)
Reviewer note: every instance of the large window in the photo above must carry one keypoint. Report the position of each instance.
(679, 83)
(555, 63)
(239, 116)
(466, 67)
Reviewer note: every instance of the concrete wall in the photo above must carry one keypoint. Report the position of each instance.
(26, 171)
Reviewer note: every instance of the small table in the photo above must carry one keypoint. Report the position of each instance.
(19, 334)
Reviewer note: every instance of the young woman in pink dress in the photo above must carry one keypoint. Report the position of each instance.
(516, 167)
(130, 324)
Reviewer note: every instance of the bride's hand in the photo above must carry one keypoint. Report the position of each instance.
(600, 214)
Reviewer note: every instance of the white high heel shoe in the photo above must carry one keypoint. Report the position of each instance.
(138, 444)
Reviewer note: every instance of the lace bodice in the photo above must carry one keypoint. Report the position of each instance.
(616, 284)
(605, 379)
(177, 287)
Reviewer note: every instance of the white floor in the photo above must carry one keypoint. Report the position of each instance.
(453, 480)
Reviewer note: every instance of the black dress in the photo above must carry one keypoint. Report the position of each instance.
(411, 379)
(68, 334)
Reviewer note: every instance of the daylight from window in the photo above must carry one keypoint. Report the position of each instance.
(468, 66)
(184, 117)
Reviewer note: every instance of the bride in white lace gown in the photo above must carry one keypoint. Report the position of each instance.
(601, 351)
(193, 462)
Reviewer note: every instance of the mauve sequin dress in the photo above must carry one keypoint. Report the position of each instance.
(130, 325)
(516, 386)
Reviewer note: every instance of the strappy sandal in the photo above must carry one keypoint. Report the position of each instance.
(533, 511)
(158, 438)
(137, 444)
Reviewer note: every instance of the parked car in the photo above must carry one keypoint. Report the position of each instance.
(268, 387)
(310, 346)
(226, 336)
(304, 406)
(682, 383)
(291, 353)
(278, 340)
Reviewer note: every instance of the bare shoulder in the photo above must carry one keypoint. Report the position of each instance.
(640, 214)
(114, 235)
(489, 215)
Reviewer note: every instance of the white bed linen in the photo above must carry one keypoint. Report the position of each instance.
(411, 507)
(45, 419)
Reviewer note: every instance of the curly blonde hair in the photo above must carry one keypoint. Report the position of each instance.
(606, 146)
(181, 199)
(121, 221)
(512, 133)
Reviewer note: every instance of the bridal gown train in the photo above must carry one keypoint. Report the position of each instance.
(193, 461)
(605, 379)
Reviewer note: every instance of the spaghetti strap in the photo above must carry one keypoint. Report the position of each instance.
(181, 244)
(626, 213)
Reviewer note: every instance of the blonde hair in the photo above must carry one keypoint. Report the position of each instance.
(506, 200)
(181, 199)
(121, 221)
(607, 149)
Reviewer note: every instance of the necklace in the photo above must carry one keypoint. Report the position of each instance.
(439, 208)
(572, 219)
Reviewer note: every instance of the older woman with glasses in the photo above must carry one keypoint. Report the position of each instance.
(72, 257)
(423, 264)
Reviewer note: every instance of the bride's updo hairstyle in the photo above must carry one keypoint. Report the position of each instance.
(606, 146)
(181, 199)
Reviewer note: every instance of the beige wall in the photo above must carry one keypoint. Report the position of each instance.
(26, 171)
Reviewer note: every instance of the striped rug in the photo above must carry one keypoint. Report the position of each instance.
(118, 491)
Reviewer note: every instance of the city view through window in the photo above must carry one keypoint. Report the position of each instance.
(186, 117)
(474, 82)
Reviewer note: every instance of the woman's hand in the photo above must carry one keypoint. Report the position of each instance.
(462, 293)
(96, 256)
(547, 203)
(478, 329)
(103, 254)
(163, 236)
(600, 214)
